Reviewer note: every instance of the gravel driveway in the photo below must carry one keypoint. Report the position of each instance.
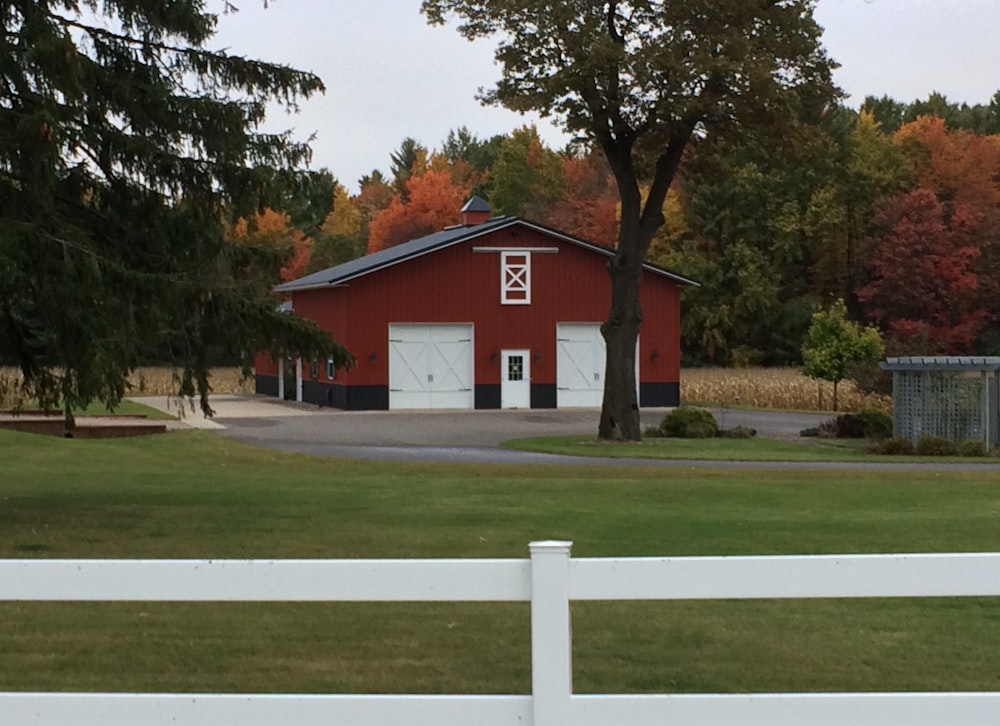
(475, 436)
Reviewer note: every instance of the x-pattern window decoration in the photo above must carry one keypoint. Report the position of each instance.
(515, 278)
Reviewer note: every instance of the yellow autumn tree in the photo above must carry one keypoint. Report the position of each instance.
(345, 218)
(272, 229)
(343, 234)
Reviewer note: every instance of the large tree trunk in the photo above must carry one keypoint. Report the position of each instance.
(639, 222)
(620, 406)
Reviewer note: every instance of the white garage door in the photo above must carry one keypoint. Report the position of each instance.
(430, 366)
(580, 357)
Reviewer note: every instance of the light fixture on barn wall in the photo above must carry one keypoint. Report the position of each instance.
(538, 357)
(656, 354)
(372, 358)
(493, 357)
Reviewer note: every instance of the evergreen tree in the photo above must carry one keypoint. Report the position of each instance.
(526, 178)
(126, 147)
(405, 161)
(463, 144)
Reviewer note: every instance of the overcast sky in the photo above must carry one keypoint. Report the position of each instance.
(389, 75)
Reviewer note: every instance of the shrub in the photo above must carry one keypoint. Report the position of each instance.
(893, 446)
(652, 432)
(930, 445)
(737, 432)
(688, 422)
(875, 423)
(832, 428)
(811, 431)
(869, 423)
(971, 447)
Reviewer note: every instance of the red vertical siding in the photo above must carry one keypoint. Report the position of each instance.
(264, 366)
(458, 285)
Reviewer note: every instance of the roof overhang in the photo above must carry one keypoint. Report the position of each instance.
(958, 363)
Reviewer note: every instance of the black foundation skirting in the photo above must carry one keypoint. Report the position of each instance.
(659, 395)
(543, 395)
(266, 385)
(487, 395)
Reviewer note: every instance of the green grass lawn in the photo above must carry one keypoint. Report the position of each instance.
(755, 449)
(195, 494)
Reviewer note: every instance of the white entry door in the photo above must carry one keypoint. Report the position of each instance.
(515, 379)
(430, 366)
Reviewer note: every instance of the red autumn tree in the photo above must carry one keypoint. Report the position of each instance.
(433, 203)
(588, 206)
(988, 269)
(923, 279)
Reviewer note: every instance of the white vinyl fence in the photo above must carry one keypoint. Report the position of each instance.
(550, 579)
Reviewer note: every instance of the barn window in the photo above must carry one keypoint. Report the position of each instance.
(331, 369)
(515, 278)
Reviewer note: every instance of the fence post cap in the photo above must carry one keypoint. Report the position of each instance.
(550, 547)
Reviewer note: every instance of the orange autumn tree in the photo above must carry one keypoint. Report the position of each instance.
(588, 205)
(958, 165)
(433, 201)
(273, 229)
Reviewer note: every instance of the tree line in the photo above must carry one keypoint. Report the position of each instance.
(891, 207)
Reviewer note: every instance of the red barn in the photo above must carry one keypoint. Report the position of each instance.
(496, 312)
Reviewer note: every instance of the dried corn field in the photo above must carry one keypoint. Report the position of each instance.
(784, 388)
(753, 387)
(143, 382)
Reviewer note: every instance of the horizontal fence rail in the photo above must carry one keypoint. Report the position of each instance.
(828, 709)
(267, 580)
(820, 576)
(549, 580)
(202, 709)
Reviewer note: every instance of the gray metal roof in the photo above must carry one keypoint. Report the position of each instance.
(431, 243)
(942, 363)
(476, 204)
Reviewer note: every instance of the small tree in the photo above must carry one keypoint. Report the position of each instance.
(834, 343)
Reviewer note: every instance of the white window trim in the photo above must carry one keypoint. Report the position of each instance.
(521, 282)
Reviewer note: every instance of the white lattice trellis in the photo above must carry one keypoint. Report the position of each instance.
(953, 397)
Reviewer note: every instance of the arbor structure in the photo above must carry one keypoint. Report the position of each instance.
(639, 80)
(126, 147)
